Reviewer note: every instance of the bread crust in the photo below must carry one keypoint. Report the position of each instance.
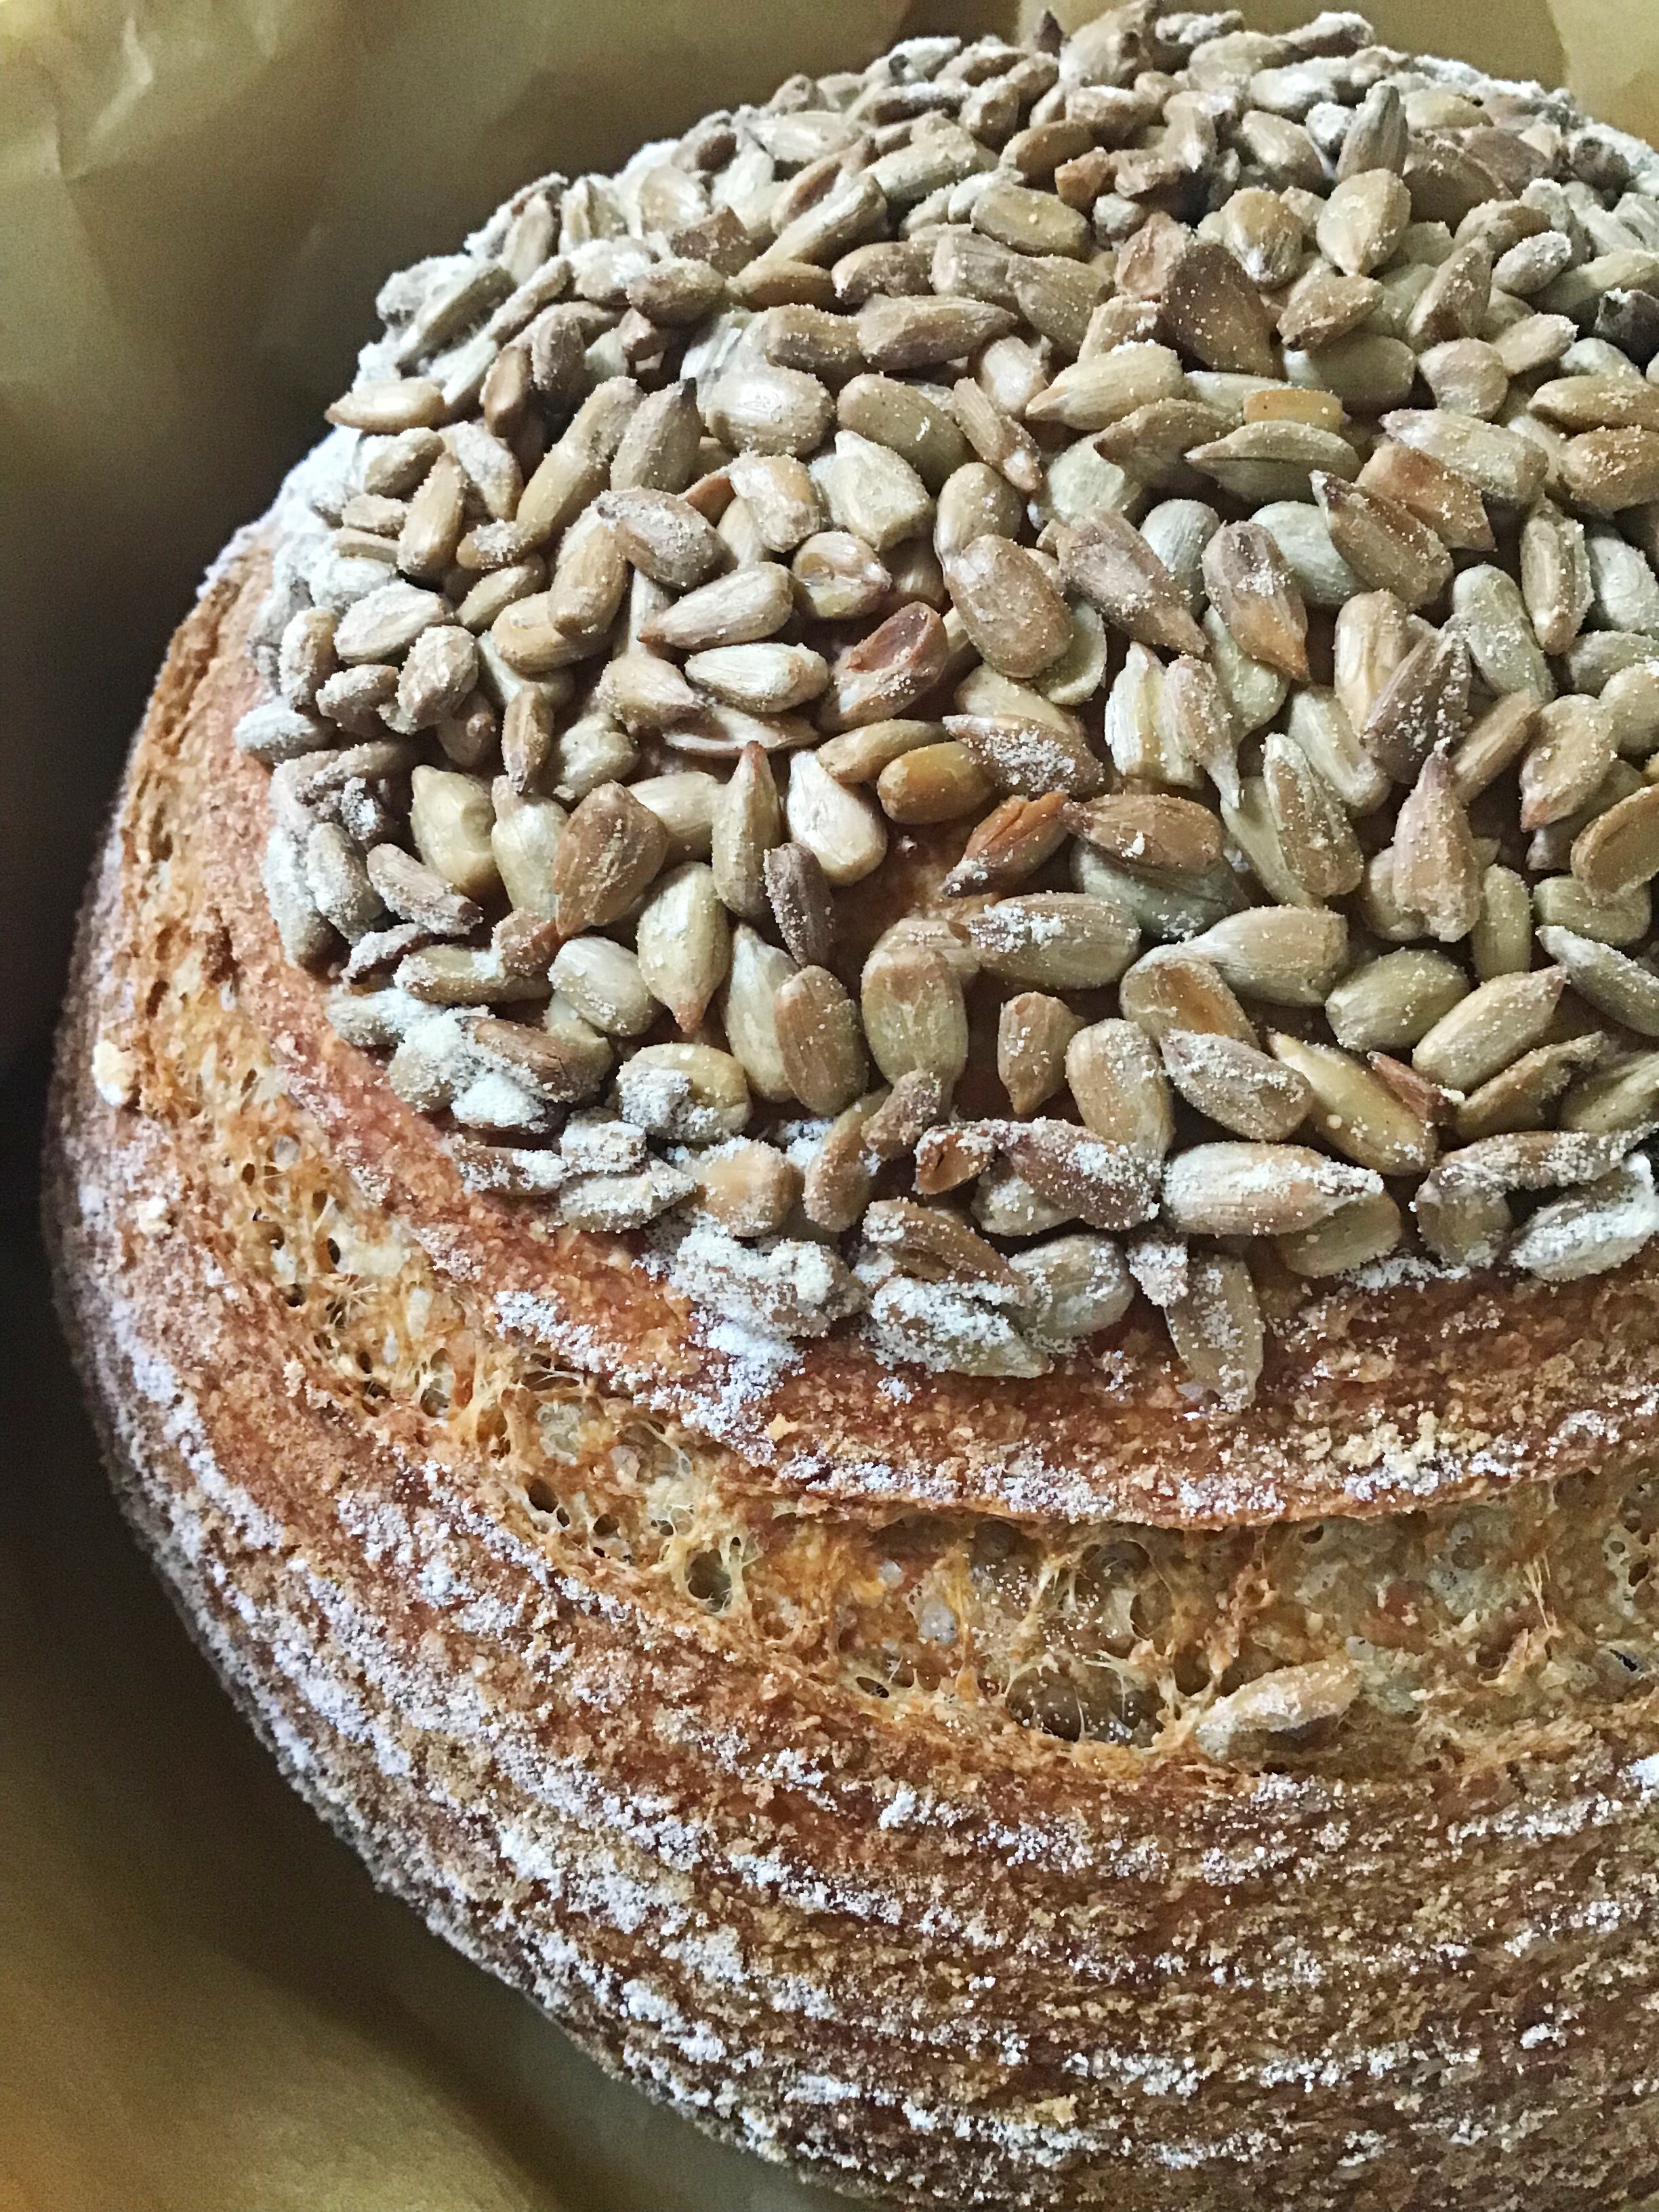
(943, 1963)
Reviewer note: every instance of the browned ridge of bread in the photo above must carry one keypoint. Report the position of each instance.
(1269, 1822)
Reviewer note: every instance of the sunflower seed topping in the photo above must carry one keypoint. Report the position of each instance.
(771, 633)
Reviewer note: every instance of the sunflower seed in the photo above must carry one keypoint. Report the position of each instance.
(1500, 464)
(1217, 1329)
(1252, 590)
(1033, 1032)
(1566, 763)
(1243, 1189)
(821, 1041)
(1018, 621)
(802, 904)
(914, 1014)
(603, 981)
(1168, 989)
(1315, 839)
(683, 942)
(1061, 940)
(1494, 1025)
(1612, 982)
(763, 409)
(1214, 311)
(1363, 221)
(1437, 872)
(1422, 708)
(1366, 1229)
(1618, 850)
(887, 672)
(1149, 830)
(1081, 1176)
(1108, 561)
(1394, 1000)
(838, 827)
(451, 817)
(1235, 1083)
(1386, 545)
(611, 850)
(1355, 1113)
(1496, 743)
(1091, 393)
(1287, 955)
(1120, 1089)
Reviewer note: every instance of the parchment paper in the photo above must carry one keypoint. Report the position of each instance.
(204, 2007)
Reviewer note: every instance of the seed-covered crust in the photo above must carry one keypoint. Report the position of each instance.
(963, 532)
(957, 1860)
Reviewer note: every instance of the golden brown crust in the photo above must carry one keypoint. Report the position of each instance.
(954, 1964)
(1373, 1399)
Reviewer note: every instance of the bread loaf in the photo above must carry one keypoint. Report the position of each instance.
(1119, 1667)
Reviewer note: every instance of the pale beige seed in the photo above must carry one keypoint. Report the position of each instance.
(1263, 236)
(592, 751)
(657, 450)
(601, 980)
(1077, 1175)
(763, 409)
(522, 843)
(748, 822)
(1619, 849)
(1364, 1230)
(450, 818)
(838, 577)
(766, 677)
(1319, 724)
(1150, 829)
(821, 1040)
(1089, 394)
(1033, 1031)
(683, 942)
(933, 1244)
(947, 1158)
(1019, 622)
(749, 604)
(901, 336)
(1499, 463)
(415, 892)
(1107, 561)
(1120, 1089)
(1621, 1094)
(1437, 870)
(1465, 375)
(1453, 302)
(611, 850)
(778, 491)
(1500, 943)
(1314, 836)
(1496, 743)
(1567, 761)
(663, 535)
(1217, 1329)
(1494, 1025)
(1432, 489)
(1243, 1189)
(690, 1093)
(1252, 589)
(1608, 471)
(1395, 1000)
(874, 493)
(858, 756)
(1555, 575)
(1594, 1230)
(1424, 707)
(1493, 619)
(1374, 633)
(975, 503)
(745, 1187)
(916, 1016)
(1612, 981)
(1263, 462)
(384, 623)
(1235, 1083)
(1323, 306)
(756, 973)
(1622, 918)
(1287, 955)
(1202, 723)
(1383, 542)
(683, 801)
(1354, 1113)
(1363, 221)
(1171, 987)
(1214, 311)
(931, 784)
(1001, 442)
(1598, 403)
(439, 672)
(383, 409)
(1521, 1096)
(574, 471)
(1056, 940)
(885, 672)
(842, 831)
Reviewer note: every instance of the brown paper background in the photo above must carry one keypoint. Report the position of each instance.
(204, 2005)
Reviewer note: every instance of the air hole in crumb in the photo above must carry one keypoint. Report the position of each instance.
(708, 1580)
(541, 1495)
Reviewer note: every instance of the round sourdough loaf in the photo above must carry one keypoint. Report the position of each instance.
(1067, 1786)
